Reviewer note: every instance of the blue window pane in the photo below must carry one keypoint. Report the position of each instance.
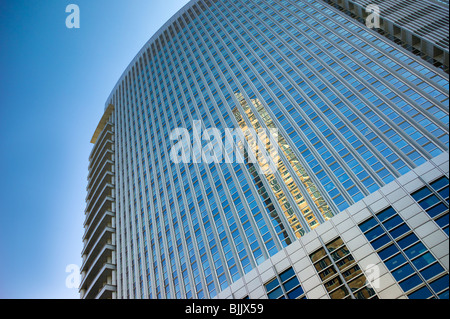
(374, 233)
(394, 221)
(440, 284)
(443, 295)
(436, 210)
(368, 224)
(388, 252)
(432, 271)
(402, 229)
(410, 283)
(421, 193)
(442, 221)
(429, 201)
(272, 284)
(402, 272)
(444, 192)
(385, 214)
(441, 182)
(422, 293)
(415, 250)
(423, 260)
(383, 240)
(275, 294)
(408, 240)
(287, 274)
(295, 293)
(394, 262)
(291, 284)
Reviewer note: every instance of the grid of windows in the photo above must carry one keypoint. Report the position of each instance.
(340, 274)
(406, 257)
(285, 286)
(434, 200)
(354, 112)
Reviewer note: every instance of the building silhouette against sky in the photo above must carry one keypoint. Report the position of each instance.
(356, 205)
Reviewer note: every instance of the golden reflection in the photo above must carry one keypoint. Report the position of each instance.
(350, 271)
(287, 179)
(339, 293)
(263, 163)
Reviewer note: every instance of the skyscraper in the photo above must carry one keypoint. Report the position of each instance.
(356, 205)
(419, 26)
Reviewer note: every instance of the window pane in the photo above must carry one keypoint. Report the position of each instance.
(394, 262)
(443, 295)
(415, 250)
(441, 182)
(325, 262)
(335, 244)
(394, 221)
(442, 221)
(357, 283)
(345, 262)
(432, 271)
(440, 284)
(352, 272)
(436, 210)
(272, 284)
(327, 273)
(275, 294)
(339, 293)
(333, 283)
(368, 224)
(386, 214)
(408, 240)
(397, 232)
(287, 274)
(374, 233)
(380, 242)
(295, 293)
(429, 201)
(402, 272)
(340, 253)
(421, 193)
(365, 293)
(317, 255)
(423, 260)
(410, 283)
(291, 283)
(422, 293)
(444, 192)
(388, 252)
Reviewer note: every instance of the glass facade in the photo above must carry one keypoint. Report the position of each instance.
(405, 256)
(435, 201)
(353, 112)
(285, 286)
(339, 272)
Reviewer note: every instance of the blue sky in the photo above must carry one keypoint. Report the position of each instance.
(54, 82)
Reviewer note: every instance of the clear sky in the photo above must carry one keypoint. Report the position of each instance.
(54, 82)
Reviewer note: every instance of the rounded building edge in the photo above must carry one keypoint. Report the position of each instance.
(183, 10)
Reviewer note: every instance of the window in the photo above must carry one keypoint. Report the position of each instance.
(434, 200)
(406, 257)
(340, 274)
(285, 286)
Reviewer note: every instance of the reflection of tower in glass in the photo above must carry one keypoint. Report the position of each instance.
(360, 163)
(255, 172)
(286, 177)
